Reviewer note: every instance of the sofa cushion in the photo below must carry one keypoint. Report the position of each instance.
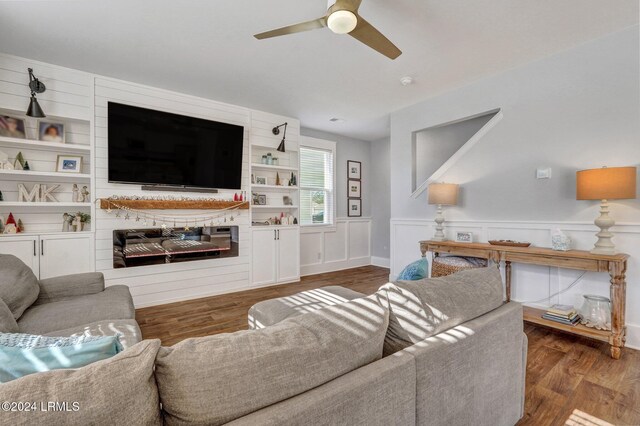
(23, 354)
(420, 309)
(18, 285)
(213, 380)
(113, 303)
(127, 329)
(269, 312)
(8, 323)
(117, 391)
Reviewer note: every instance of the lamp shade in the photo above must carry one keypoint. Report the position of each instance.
(34, 109)
(607, 183)
(443, 193)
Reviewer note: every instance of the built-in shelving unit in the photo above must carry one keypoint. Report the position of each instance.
(44, 146)
(36, 176)
(42, 204)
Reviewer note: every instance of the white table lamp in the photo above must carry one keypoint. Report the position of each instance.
(442, 194)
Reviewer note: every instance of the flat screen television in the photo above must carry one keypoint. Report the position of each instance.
(159, 148)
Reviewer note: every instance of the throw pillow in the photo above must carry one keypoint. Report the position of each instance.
(117, 391)
(19, 287)
(415, 271)
(22, 354)
(8, 323)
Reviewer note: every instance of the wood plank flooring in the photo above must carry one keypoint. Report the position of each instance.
(564, 372)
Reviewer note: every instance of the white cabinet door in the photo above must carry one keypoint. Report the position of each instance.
(263, 256)
(24, 248)
(65, 254)
(288, 255)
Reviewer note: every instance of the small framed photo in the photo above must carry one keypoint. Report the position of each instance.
(354, 169)
(50, 132)
(69, 164)
(354, 189)
(354, 207)
(12, 127)
(262, 200)
(261, 180)
(287, 201)
(464, 237)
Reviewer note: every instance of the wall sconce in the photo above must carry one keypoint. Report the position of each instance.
(276, 131)
(36, 86)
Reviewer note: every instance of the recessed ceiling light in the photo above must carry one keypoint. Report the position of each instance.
(337, 120)
(406, 80)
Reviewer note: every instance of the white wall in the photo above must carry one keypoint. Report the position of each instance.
(380, 202)
(574, 110)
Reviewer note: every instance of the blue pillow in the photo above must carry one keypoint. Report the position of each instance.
(415, 271)
(22, 354)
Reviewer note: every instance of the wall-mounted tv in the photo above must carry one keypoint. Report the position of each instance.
(151, 147)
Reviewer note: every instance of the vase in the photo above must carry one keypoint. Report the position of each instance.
(596, 312)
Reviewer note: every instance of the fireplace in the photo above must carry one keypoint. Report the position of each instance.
(142, 247)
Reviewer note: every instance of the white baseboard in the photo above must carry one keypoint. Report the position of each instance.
(339, 265)
(383, 262)
(633, 336)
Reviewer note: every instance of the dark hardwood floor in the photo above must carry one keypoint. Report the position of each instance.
(564, 372)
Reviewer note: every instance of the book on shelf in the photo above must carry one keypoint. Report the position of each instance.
(572, 320)
(562, 310)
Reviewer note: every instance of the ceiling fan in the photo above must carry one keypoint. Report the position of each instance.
(342, 18)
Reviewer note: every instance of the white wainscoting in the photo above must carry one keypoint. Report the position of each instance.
(532, 285)
(345, 245)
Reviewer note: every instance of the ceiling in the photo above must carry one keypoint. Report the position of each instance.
(206, 48)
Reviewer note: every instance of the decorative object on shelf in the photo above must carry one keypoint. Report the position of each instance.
(19, 162)
(69, 164)
(20, 226)
(354, 188)
(278, 183)
(442, 194)
(78, 220)
(464, 237)
(5, 164)
(269, 159)
(262, 200)
(46, 192)
(261, 180)
(26, 166)
(1, 225)
(253, 179)
(39, 193)
(236, 197)
(65, 222)
(75, 193)
(275, 161)
(51, 132)
(596, 312)
(354, 207)
(36, 86)
(11, 226)
(264, 159)
(295, 220)
(12, 127)
(293, 181)
(287, 201)
(509, 243)
(354, 169)
(1, 196)
(563, 314)
(84, 195)
(607, 183)
(560, 241)
(276, 131)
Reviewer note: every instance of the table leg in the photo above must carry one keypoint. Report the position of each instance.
(423, 250)
(507, 278)
(617, 272)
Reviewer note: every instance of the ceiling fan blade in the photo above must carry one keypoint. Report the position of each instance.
(295, 28)
(367, 34)
(351, 5)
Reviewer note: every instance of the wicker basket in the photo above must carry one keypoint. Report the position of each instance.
(442, 266)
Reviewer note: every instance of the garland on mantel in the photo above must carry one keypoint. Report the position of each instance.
(165, 221)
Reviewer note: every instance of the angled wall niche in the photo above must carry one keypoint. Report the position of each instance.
(437, 148)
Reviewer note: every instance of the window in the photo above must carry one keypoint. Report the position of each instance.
(317, 182)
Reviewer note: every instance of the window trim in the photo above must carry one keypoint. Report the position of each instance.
(315, 143)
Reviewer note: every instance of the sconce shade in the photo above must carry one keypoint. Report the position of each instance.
(34, 109)
(281, 146)
(607, 183)
(443, 193)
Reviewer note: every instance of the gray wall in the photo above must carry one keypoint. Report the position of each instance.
(348, 149)
(380, 198)
(571, 111)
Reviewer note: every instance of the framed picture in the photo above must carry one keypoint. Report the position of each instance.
(50, 132)
(69, 164)
(12, 127)
(262, 200)
(354, 207)
(354, 169)
(287, 201)
(464, 237)
(261, 180)
(353, 190)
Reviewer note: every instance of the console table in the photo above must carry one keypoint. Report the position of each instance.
(615, 265)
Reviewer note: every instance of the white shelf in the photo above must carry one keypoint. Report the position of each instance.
(43, 146)
(33, 234)
(260, 166)
(274, 148)
(31, 176)
(254, 206)
(275, 226)
(42, 204)
(279, 187)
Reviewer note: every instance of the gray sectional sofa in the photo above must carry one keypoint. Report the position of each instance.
(444, 351)
(64, 306)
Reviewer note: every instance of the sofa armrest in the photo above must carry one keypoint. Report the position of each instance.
(69, 286)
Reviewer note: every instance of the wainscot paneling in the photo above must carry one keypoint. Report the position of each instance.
(347, 244)
(533, 285)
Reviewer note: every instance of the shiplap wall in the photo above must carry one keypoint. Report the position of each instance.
(68, 99)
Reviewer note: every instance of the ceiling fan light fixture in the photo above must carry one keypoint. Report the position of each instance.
(342, 21)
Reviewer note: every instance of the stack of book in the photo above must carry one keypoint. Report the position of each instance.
(564, 314)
